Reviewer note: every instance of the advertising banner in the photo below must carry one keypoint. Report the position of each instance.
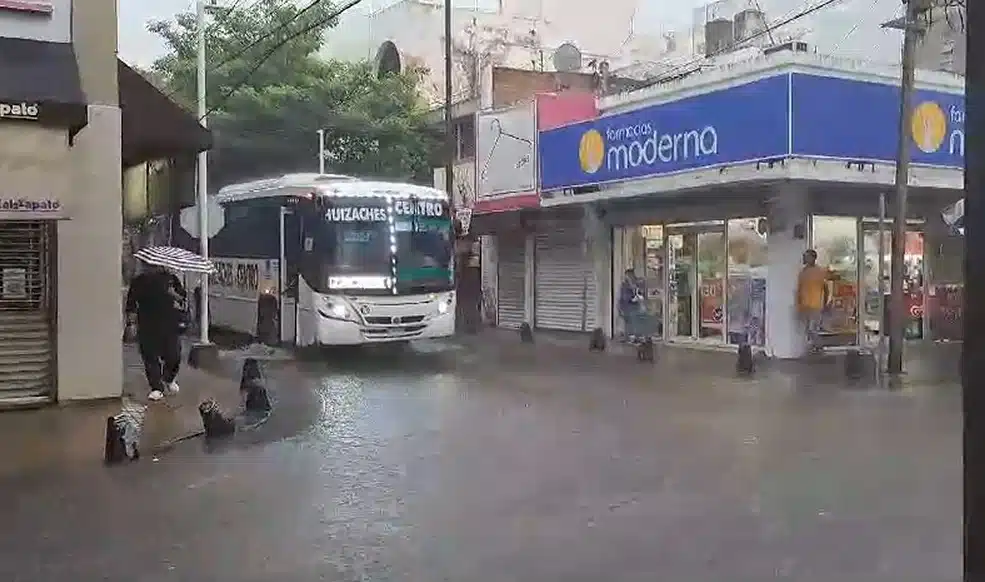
(505, 151)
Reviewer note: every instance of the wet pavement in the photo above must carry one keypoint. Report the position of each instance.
(489, 461)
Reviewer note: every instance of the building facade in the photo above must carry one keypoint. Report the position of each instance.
(710, 189)
(61, 205)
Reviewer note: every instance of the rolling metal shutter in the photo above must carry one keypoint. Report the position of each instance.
(510, 282)
(26, 310)
(564, 296)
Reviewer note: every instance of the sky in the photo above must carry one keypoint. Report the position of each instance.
(849, 27)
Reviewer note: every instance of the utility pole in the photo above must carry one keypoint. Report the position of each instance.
(321, 151)
(203, 169)
(450, 141)
(897, 305)
(973, 347)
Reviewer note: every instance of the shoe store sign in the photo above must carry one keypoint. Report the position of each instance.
(31, 209)
(28, 6)
(20, 111)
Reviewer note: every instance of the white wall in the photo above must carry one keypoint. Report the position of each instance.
(90, 321)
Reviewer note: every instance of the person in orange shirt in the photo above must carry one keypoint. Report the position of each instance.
(812, 297)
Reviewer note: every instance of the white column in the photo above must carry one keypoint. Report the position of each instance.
(529, 272)
(789, 223)
(598, 252)
(489, 265)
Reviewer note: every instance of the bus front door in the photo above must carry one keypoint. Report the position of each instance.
(290, 257)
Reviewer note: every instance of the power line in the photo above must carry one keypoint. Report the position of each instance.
(853, 29)
(267, 55)
(767, 31)
(258, 41)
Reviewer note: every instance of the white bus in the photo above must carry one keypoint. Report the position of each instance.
(334, 260)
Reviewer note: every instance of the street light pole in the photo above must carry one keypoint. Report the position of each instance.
(897, 305)
(321, 151)
(203, 168)
(449, 122)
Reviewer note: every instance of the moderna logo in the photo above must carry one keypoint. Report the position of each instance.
(931, 127)
(632, 146)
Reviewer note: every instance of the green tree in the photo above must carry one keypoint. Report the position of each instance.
(265, 120)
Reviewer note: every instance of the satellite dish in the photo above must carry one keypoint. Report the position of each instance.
(387, 60)
(216, 219)
(567, 58)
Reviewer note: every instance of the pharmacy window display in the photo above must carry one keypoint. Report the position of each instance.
(747, 268)
(642, 250)
(849, 248)
(705, 281)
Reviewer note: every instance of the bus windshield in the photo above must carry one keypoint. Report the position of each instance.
(352, 242)
(425, 252)
(358, 247)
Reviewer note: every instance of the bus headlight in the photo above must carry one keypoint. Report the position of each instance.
(444, 303)
(335, 308)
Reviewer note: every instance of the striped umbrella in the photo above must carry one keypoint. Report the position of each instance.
(953, 216)
(176, 259)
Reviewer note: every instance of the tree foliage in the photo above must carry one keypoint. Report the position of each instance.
(265, 120)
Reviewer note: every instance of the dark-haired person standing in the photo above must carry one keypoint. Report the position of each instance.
(156, 306)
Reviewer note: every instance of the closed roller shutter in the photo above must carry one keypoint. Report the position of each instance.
(564, 297)
(509, 289)
(26, 314)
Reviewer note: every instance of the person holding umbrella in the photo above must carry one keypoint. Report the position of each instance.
(155, 309)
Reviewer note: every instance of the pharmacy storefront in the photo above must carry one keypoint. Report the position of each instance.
(711, 190)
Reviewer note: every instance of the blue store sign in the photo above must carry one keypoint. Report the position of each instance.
(831, 118)
(857, 120)
(739, 124)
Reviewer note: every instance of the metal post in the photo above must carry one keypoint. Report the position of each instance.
(881, 346)
(203, 167)
(321, 151)
(450, 141)
(897, 318)
(973, 354)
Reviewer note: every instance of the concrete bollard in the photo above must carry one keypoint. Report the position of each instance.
(123, 432)
(204, 356)
(253, 387)
(267, 320)
(858, 365)
(597, 341)
(745, 364)
(214, 422)
(251, 371)
(526, 333)
(257, 399)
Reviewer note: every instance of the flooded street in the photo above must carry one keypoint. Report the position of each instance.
(473, 463)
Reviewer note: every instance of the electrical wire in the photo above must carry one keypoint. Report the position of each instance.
(259, 40)
(270, 52)
(853, 29)
(767, 31)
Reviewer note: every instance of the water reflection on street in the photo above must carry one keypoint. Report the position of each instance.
(451, 463)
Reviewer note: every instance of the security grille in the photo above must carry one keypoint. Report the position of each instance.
(26, 309)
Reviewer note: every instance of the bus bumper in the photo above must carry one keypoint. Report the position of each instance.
(333, 332)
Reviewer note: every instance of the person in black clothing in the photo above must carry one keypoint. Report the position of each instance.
(155, 304)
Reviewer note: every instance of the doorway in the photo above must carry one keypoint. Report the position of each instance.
(696, 281)
(872, 321)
